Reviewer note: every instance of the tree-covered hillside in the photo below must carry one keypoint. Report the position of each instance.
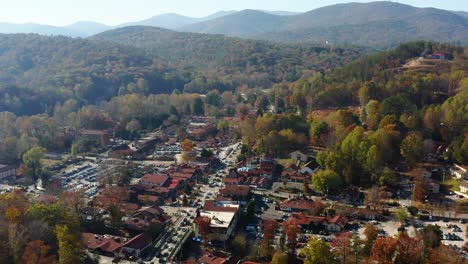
(233, 60)
(38, 71)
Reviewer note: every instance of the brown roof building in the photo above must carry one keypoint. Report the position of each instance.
(297, 205)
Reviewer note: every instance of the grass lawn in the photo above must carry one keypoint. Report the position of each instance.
(452, 184)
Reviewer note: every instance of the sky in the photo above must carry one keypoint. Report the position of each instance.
(114, 12)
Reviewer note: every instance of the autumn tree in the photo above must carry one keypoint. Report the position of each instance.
(187, 147)
(279, 258)
(68, 245)
(37, 252)
(32, 160)
(401, 215)
(431, 236)
(317, 252)
(342, 246)
(326, 180)
(383, 250)
(204, 229)
(370, 232)
(411, 148)
(291, 230)
(239, 246)
(409, 250)
(443, 255)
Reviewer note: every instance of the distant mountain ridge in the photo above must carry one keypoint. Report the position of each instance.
(376, 23)
(171, 21)
(381, 24)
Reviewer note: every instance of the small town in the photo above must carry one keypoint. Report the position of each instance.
(161, 199)
(234, 132)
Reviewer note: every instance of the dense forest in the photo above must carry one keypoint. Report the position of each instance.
(40, 71)
(234, 61)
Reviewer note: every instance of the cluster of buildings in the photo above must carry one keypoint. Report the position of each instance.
(255, 172)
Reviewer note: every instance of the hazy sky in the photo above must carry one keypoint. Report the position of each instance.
(113, 12)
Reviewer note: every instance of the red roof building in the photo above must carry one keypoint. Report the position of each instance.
(154, 180)
(103, 244)
(238, 191)
(297, 205)
(208, 258)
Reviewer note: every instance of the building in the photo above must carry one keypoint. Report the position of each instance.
(310, 167)
(237, 192)
(100, 137)
(154, 180)
(297, 205)
(210, 258)
(295, 176)
(336, 223)
(222, 218)
(145, 217)
(103, 244)
(137, 245)
(332, 224)
(6, 171)
(464, 187)
(459, 171)
(299, 156)
(115, 246)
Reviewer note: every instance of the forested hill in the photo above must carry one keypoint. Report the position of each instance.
(38, 71)
(258, 63)
(379, 24)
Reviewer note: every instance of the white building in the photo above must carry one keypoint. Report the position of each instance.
(459, 171)
(223, 220)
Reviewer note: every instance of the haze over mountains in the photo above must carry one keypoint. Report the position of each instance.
(377, 24)
(87, 28)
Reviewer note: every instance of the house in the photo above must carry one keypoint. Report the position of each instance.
(439, 56)
(148, 199)
(116, 246)
(154, 180)
(298, 156)
(137, 245)
(99, 137)
(103, 244)
(336, 223)
(6, 171)
(333, 224)
(297, 205)
(295, 176)
(237, 192)
(222, 218)
(144, 217)
(210, 258)
(464, 187)
(459, 171)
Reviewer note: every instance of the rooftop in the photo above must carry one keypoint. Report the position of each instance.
(155, 179)
(219, 219)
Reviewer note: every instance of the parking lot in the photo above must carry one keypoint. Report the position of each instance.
(456, 237)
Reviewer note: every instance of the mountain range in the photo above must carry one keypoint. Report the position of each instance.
(88, 28)
(370, 24)
(380, 24)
